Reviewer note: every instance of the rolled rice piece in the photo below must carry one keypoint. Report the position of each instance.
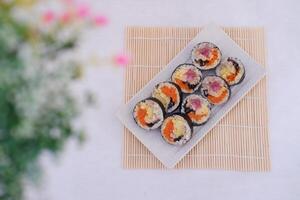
(169, 94)
(206, 55)
(197, 108)
(187, 77)
(215, 90)
(149, 113)
(231, 70)
(177, 129)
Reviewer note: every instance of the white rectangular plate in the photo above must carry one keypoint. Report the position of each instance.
(168, 154)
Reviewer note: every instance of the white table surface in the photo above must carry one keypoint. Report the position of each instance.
(94, 171)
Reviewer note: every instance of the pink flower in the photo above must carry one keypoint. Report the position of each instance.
(101, 20)
(66, 17)
(82, 11)
(122, 60)
(48, 16)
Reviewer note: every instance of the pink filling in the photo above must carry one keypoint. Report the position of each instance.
(215, 86)
(205, 51)
(196, 103)
(190, 75)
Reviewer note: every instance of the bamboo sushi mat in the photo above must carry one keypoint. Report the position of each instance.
(239, 141)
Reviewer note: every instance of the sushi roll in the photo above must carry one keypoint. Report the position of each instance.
(187, 77)
(231, 70)
(215, 90)
(149, 113)
(206, 55)
(196, 108)
(177, 129)
(169, 94)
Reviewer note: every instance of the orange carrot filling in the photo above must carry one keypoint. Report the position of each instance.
(141, 114)
(169, 128)
(231, 77)
(182, 85)
(170, 92)
(219, 98)
(214, 57)
(193, 116)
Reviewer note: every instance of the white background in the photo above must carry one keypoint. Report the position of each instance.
(94, 170)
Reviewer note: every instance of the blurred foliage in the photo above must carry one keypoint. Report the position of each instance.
(37, 109)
